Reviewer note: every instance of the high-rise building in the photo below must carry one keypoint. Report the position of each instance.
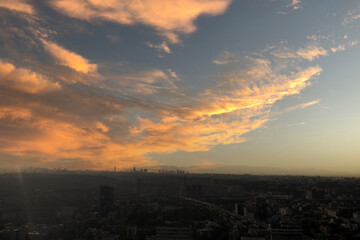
(106, 200)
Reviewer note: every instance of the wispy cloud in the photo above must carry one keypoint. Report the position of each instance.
(69, 59)
(145, 82)
(162, 47)
(351, 16)
(294, 4)
(302, 106)
(297, 124)
(341, 47)
(312, 52)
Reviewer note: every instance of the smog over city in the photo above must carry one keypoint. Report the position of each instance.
(179, 119)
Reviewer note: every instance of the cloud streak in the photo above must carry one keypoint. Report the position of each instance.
(310, 52)
(302, 106)
(69, 59)
(297, 124)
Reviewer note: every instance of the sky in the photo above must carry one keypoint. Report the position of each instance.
(206, 85)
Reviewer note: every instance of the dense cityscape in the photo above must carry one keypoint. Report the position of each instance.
(60, 204)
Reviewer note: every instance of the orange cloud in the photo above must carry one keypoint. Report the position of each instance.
(25, 80)
(169, 18)
(92, 125)
(238, 104)
(204, 165)
(216, 118)
(341, 47)
(294, 4)
(311, 52)
(253, 89)
(97, 124)
(52, 139)
(14, 114)
(17, 5)
(102, 127)
(163, 47)
(174, 135)
(69, 59)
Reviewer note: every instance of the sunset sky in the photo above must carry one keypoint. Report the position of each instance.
(202, 84)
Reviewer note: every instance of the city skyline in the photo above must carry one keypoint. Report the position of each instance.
(206, 85)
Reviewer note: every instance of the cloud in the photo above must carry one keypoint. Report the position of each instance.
(132, 112)
(102, 127)
(294, 4)
(204, 165)
(80, 118)
(92, 126)
(237, 104)
(253, 82)
(352, 43)
(170, 135)
(297, 124)
(169, 18)
(302, 106)
(51, 139)
(146, 81)
(226, 57)
(162, 48)
(113, 38)
(316, 37)
(25, 80)
(172, 74)
(17, 5)
(341, 47)
(351, 16)
(69, 59)
(312, 52)
(283, 52)
(218, 62)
